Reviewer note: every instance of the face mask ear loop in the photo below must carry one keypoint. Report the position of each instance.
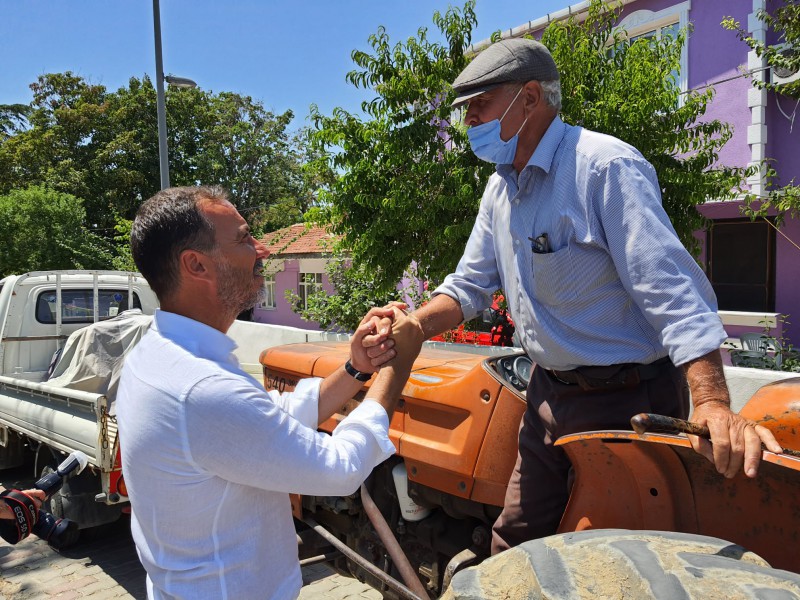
(512, 104)
(521, 126)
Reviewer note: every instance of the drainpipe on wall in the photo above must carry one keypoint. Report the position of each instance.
(757, 100)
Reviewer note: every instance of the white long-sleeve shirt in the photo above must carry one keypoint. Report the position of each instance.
(209, 458)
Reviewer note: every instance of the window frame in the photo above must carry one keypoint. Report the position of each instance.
(642, 22)
(68, 295)
(270, 301)
(306, 288)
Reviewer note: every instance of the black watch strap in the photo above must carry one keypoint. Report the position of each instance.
(358, 375)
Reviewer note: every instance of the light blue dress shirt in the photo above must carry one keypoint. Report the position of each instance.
(617, 285)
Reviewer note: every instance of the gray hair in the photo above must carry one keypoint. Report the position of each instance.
(552, 93)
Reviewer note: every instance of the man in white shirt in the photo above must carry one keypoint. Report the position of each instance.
(209, 456)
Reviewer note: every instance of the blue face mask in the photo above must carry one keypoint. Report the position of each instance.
(488, 145)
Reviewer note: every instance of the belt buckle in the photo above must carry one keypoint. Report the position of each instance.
(555, 375)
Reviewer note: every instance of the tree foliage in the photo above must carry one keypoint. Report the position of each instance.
(13, 117)
(785, 55)
(409, 187)
(400, 191)
(102, 146)
(45, 229)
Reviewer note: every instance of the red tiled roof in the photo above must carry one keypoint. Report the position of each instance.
(299, 239)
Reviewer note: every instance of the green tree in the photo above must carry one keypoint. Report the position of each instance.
(785, 56)
(400, 191)
(408, 186)
(12, 119)
(102, 146)
(44, 229)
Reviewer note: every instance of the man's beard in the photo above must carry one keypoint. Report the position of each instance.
(232, 292)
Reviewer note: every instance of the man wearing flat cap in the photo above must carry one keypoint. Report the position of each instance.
(609, 305)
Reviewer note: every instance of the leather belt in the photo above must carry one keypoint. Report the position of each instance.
(623, 375)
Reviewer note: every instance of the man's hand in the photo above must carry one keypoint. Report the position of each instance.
(408, 337)
(37, 496)
(735, 441)
(371, 346)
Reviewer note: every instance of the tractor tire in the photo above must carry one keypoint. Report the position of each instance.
(619, 563)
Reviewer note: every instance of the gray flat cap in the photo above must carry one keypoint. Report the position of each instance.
(506, 61)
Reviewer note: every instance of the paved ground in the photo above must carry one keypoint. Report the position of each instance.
(105, 566)
(108, 568)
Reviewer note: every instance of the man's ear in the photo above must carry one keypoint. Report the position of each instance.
(195, 266)
(532, 95)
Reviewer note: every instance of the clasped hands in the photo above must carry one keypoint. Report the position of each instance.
(386, 336)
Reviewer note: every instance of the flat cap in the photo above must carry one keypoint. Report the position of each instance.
(507, 61)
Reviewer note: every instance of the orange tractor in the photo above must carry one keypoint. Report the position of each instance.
(426, 514)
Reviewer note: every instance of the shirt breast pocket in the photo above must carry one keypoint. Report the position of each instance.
(554, 277)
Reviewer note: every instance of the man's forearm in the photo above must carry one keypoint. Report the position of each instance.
(388, 387)
(706, 379)
(439, 315)
(336, 389)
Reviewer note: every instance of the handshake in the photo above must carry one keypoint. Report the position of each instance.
(21, 513)
(387, 337)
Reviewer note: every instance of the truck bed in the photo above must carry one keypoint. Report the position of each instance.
(62, 418)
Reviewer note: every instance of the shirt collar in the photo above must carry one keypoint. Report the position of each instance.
(545, 151)
(196, 337)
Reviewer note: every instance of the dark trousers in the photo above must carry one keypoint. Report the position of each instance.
(538, 491)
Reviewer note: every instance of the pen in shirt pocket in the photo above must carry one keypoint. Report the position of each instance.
(540, 244)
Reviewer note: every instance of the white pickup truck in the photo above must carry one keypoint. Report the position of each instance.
(51, 407)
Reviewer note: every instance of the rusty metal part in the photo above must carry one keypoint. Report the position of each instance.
(391, 544)
(644, 422)
(327, 557)
(384, 578)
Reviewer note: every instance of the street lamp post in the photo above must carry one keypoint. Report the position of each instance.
(163, 154)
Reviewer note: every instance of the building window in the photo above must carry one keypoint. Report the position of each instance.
(269, 302)
(741, 264)
(647, 23)
(309, 283)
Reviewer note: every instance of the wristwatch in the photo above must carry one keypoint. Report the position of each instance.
(357, 375)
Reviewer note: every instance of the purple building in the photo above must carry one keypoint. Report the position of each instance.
(754, 267)
(297, 261)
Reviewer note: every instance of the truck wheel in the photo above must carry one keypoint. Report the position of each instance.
(617, 563)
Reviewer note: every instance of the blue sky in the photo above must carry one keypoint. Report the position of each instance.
(287, 54)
